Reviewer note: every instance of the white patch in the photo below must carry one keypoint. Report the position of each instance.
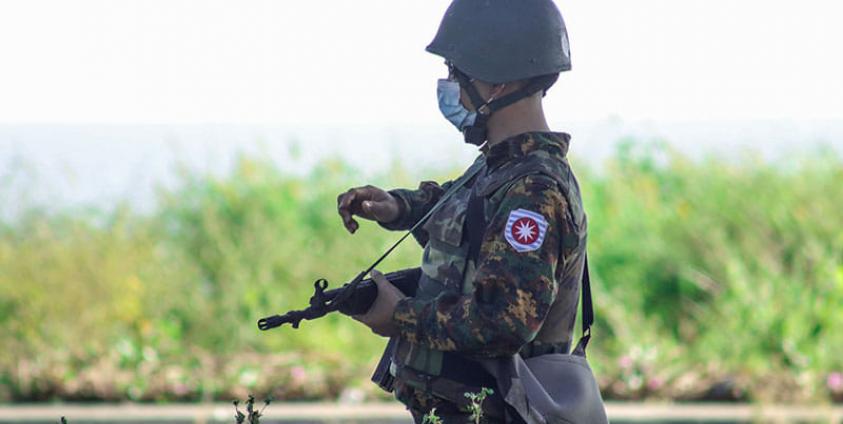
(525, 230)
(566, 46)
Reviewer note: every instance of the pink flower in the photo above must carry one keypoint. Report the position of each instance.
(655, 383)
(635, 382)
(180, 389)
(625, 362)
(298, 374)
(835, 382)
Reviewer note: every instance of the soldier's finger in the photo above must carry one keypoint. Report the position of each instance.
(378, 278)
(344, 200)
(343, 204)
(350, 224)
(386, 288)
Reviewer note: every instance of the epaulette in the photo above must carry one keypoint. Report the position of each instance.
(553, 168)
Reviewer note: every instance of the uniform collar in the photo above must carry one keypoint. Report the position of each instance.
(555, 143)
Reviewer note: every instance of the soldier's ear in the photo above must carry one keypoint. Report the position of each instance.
(497, 90)
(511, 87)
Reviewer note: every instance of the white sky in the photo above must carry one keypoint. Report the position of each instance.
(363, 61)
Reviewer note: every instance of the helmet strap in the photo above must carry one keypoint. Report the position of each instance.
(478, 133)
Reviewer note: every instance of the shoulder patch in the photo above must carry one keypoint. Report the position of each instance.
(525, 230)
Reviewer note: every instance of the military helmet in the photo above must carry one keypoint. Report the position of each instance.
(498, 41)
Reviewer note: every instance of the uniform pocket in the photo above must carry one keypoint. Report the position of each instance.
(445, 254)
(446, 225)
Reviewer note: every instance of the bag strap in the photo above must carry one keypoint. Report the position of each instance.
(476, 222)
(587, 307)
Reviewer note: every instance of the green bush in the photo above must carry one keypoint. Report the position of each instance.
(712, 280)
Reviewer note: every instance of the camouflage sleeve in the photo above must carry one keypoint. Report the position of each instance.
(514, 284)
(414, 204)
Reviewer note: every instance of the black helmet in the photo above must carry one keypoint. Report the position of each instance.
(498, 41)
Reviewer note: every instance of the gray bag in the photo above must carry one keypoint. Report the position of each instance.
(557, 387)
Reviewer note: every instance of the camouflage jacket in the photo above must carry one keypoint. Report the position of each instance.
(530, 261)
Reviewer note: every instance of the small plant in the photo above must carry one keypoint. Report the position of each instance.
(251, 415)
(477, 403)
(63, 420)
(431, 418)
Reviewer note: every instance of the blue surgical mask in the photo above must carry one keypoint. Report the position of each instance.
(448, 93)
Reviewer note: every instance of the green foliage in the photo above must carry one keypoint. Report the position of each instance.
(431, 417)
(252, 415)
(706, 274)
(733, 271)
(476, 403)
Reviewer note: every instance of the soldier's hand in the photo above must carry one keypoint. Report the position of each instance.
(367, 202)
(379, 316)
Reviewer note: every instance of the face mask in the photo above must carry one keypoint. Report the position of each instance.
(448, 93)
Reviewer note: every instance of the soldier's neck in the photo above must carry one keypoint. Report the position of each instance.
(517, 119)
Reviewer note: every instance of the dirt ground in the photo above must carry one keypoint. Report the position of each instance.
(395, 413)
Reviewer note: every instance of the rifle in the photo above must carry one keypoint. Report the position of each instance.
(359, 294)
(353, 298)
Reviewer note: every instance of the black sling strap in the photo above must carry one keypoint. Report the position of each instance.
(351, 286)
(476, 222)
(382, 376)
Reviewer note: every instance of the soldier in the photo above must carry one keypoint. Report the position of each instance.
(504, 255)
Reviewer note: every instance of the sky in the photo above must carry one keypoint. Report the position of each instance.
(362, 62)
(130, 88)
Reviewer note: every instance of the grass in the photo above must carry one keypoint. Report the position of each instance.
(712, 280)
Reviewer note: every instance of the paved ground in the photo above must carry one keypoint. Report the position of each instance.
(395, 413)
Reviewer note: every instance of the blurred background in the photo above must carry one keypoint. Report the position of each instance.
(169, 173)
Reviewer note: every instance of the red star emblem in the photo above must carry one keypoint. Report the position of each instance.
(525, 230)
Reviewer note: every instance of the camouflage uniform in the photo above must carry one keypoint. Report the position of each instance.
(522, 294)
